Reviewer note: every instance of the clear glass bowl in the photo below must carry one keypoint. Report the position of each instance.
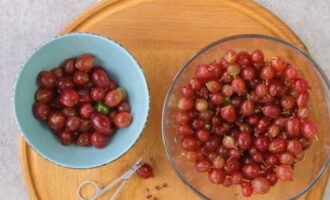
(307, 171)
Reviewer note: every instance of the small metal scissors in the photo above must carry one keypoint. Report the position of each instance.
(99, 191)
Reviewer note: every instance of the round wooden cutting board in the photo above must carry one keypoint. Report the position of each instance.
(161, 35)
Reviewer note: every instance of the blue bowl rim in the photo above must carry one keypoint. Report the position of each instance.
(18, 74)
(199, 52)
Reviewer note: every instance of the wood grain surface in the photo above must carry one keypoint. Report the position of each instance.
(161, 35)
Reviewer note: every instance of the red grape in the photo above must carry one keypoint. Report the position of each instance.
(86, 125)
(303, 112)
(291, 72)
(64, 83)
(72, 123)
(228, 142)
(100, 78)
(227, 90)
(271, 111)
(258, 157)
(309, 129)
(203, 165)
(145, 171)
(86, 110)
(216, 99)
(301, 85)
(218, 162)
(84, 96)
(272, 159)
(271, 178)
(203, 72)
(202, 135)
(230, 56)
(276, 88)
(213, 143)
(263, 124)
(257, 57)
(201, 104)
(234, 153)
(284, 172)
(267, 73)
(244, 140)
(123, 119)
(261, 90)
(97, 94)
(189, 143)
(250, 171)
(294, 147)
(293, 127)
(69, 97)
(80, 77)
(124, 107)
(195, 83)
(278, 64)
(253, 120)
(244, 59)
(248, 73)
(203, 92)
(100, 123)
(286, 158)
(84, 139)
(229, 114)
(238, 85)
(233, 70)
(287, 102)
(45, 95)
(231, 165)
(182, 117)
(302, 99)
(46, 79)
(187, 91)
(260, 185)
(246, 189)
(237, 178)
(114, 97)
(85, 62)
(58, 72)
(98, 140)
(66, 137)
(261, 143)
(278, 145)
(69, 111)
(274, 130)
(213, 86)
(69, 66)
(247, 108)
(41, 110)
(191, 156)
(185, 103)
(56, 120)
(217, 176)
(217, 70)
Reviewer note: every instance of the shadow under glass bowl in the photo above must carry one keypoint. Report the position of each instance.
(307, 171)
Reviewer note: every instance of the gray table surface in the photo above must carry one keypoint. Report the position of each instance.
(25, 24)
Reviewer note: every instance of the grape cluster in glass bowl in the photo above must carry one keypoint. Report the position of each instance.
(245, 121)
(80, 102)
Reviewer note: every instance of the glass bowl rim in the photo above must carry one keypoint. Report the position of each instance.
(202, 50)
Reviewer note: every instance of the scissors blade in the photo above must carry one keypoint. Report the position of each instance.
(133, 169)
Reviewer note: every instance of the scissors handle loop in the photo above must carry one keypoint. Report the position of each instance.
(97, 191)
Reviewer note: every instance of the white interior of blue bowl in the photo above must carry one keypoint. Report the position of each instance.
(121, 67)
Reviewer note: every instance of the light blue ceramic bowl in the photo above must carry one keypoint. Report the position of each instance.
(121, 66)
